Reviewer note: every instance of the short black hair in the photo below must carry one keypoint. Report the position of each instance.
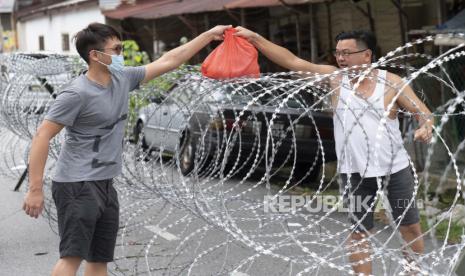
(364, 39)
(94, 37)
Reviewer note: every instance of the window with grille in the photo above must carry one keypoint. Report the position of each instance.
(41, 43)
(65, 42)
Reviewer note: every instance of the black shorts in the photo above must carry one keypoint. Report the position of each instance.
(88, 219)
(399, 187)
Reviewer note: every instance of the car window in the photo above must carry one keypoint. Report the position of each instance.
(195, 90)
(270, 92)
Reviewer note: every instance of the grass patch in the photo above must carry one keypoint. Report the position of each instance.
(455, 233)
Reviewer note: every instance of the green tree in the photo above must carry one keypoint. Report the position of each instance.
(132, 54)
(155, 88)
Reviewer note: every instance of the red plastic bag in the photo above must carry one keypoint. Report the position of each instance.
(233, 58)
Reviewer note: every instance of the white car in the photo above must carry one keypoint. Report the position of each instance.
(203, 122)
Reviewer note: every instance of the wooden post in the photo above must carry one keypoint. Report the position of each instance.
(234, 17)
(243, 22)
(188, 24)
(193, 29)
(313, 44)
(270, 35)
(441, 11)
(371, 19)
(330, 28)
(401, 22)
(206, 23)
(403, 25)
(367, 14)
(155, 38)
(297, 35)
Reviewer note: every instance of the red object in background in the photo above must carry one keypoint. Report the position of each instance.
(233, 58)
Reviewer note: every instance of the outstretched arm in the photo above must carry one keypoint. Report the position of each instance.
(410, 102)
(281, 55)
(174, 58)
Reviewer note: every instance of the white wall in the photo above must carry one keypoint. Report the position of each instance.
(53, 26)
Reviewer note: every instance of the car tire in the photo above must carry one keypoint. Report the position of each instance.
(311, 179)
(187, 154)
(139, 134)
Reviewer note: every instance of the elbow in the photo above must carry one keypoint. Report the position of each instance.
(42, 135)
(174, 57)
(170, 62)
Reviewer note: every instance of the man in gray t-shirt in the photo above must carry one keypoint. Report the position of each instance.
(93, 108)
(94, 116)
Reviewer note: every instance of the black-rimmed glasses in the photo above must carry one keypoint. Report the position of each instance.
(117, 49)
(346, 53)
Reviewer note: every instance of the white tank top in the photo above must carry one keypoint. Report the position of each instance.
(363, 144)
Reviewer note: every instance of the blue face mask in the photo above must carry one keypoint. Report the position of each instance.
(116, 65)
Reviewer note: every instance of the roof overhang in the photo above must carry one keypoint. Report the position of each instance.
(41, 10)
(163, 8)
(267, 3)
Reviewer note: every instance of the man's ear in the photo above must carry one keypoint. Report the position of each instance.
(93, 55)
(369, 55)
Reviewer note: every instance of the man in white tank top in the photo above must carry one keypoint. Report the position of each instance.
(368, 140)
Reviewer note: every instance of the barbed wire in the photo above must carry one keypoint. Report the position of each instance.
(206, 162)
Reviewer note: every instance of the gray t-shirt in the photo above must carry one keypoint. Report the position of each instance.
(95, 118)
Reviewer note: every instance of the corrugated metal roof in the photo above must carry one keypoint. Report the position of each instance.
(132, 10)
(184, 7)
(65, 4)
(6, 6)
(267, 3)
(163, 8)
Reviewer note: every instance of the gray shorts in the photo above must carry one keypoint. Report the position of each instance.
(88, 219)
(362, 191)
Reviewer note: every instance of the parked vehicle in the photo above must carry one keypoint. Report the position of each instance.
(236, 126)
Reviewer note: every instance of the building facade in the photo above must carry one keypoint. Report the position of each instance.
(7, 34)
(51, 26)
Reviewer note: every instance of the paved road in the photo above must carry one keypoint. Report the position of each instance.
(27, 246)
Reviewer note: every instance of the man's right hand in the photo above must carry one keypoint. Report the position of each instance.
(246, 33)
(34, 203)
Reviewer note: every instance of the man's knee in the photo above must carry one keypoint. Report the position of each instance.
(96, 265)
(95, 269)
(413, 229)
(71, 261)
(66, 266)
